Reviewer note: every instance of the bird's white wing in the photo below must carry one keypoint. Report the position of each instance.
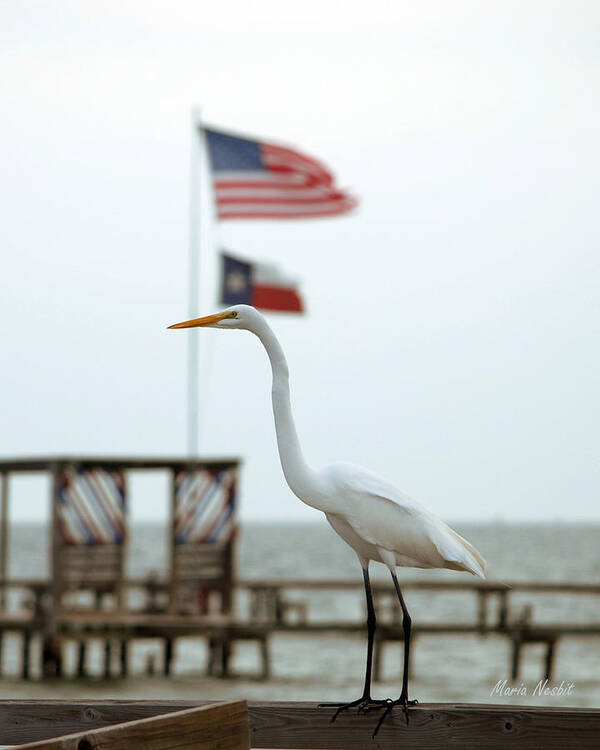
(388, 519)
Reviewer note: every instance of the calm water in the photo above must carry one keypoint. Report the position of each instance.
(462, 668)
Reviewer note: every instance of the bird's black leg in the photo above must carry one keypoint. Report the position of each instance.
(406, 627)
(365, 701)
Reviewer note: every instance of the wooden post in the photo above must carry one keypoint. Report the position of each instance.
(3, 538)
(519, 635)
(81, 654)
(516, 656)
(25, 654)
(266, 658)
(4, 551)
(107, 654)
(210, 662)
(168, 661)
(124, 657)
(227, 589)
(124, 544)
(482, 611)
(51, 656)
(549, 662)
(278, 607)
(173, 587)
(254, 604)
(150, 665)
(225, 654)
(503, 610)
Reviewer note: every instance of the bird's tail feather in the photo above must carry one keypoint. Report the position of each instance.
(474, 562)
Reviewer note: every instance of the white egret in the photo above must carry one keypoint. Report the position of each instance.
(378, 521)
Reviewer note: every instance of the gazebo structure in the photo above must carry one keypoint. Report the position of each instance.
(89, 534)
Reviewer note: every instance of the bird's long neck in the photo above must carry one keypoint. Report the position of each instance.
(301, 478)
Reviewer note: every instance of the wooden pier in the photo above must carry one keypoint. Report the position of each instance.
(297, 726)
(88, 536)
(272, 612)
(270, 600)
(197, 595)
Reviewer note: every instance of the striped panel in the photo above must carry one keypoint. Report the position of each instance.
(92, 507)
(204, 505)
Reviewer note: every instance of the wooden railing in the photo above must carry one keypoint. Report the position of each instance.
(443, 726)
(223, 725)
(272, 610)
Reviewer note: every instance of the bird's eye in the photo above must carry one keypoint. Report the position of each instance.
(234, 315)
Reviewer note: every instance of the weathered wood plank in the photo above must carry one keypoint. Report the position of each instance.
(3, 534)
(222, 725)
(91, 550)
(200, 575)
(440, 726)
(445, 584)
(304, 725)
(187, 553)
(349, 584)
(18, 621)
(45, 463)
(140, 625)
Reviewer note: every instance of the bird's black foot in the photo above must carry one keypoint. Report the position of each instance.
(363, 704)
(402, 701)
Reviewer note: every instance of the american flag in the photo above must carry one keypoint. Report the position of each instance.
(257, 180)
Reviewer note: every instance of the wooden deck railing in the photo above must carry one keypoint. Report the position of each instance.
(223, 725)
(272, 610)
(443, 726)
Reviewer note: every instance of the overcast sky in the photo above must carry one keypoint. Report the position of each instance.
(451, 342)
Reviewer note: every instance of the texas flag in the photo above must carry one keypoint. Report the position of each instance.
(262, 285)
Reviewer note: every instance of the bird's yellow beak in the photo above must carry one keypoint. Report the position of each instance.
(207, 320)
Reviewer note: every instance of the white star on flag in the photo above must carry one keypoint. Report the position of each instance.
(236, 281)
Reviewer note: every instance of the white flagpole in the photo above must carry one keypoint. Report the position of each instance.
(194, 268)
